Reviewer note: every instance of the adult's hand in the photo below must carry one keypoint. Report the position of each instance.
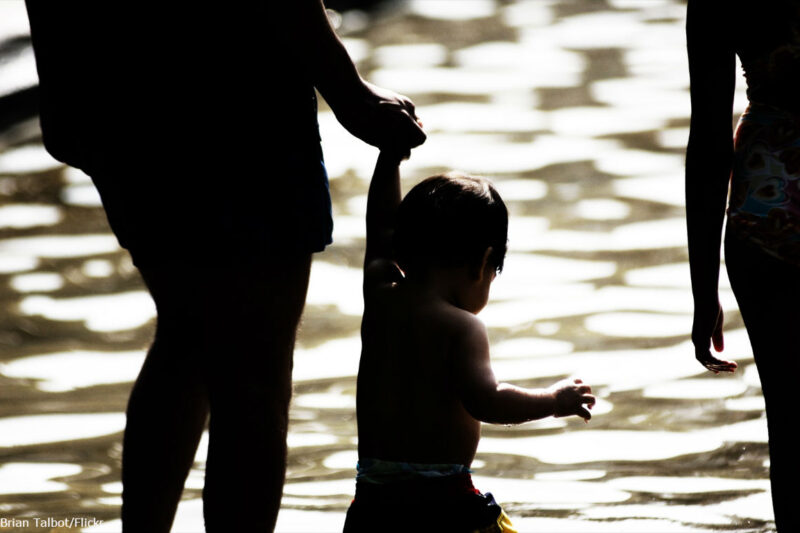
(377, 116)
(380, 117)
(707, 330)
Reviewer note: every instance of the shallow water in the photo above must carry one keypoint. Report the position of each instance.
(579, 112)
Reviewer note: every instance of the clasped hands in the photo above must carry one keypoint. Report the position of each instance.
(382, 118)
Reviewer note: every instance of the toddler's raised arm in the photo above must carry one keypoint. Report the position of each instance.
(382, 203)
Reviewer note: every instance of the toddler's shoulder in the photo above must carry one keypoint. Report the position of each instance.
(459, 323)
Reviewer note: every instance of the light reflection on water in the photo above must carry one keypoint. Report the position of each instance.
(579, 113)
(32, 478)
(27, 216)
(37, 429)
(65, 371)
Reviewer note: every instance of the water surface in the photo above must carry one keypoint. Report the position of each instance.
(579, 112)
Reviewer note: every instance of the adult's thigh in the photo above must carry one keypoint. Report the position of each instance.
(768, 290)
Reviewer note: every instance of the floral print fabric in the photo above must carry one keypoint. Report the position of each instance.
(764, 207)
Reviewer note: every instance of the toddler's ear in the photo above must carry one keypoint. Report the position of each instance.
(484, 265)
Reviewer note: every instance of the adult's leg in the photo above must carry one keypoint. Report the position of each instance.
(224, 339)
(768, 293)
(251, 334)
(168, 406)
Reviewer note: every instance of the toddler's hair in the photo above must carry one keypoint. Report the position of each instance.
(449, 220)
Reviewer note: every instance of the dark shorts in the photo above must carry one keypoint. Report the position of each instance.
(449, 504)
(231, 206)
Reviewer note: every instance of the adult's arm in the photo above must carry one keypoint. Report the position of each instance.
(377, 116)
(709, 158)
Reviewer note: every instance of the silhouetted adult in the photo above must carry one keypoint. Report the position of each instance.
(762, 241)
(197, 123)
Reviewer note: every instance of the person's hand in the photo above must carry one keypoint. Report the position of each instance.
(382, 118)
(572, 398)
(707, 330)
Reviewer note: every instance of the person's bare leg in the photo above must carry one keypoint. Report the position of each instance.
(253, 333)
(167, 409)
(776, 356)
(768, 291)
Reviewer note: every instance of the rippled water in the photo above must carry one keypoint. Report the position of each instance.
(579, 112)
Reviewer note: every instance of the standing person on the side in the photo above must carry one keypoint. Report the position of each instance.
(762, 242)
(197, 123)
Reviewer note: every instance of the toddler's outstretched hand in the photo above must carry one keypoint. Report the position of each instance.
(572, 398)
